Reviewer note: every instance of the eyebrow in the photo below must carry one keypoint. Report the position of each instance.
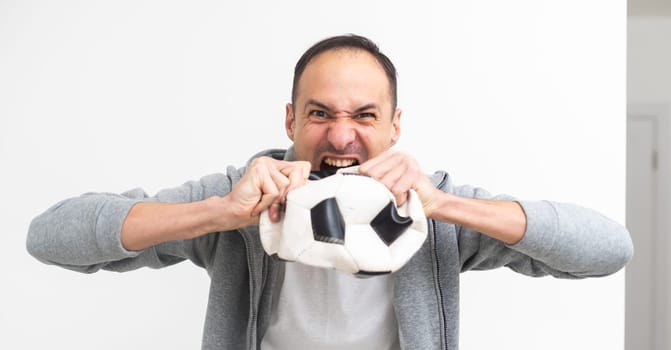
(321, 105)
(316, 103)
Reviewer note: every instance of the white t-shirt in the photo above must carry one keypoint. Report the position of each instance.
(327, 309)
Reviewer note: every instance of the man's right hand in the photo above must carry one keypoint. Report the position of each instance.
(264, 185)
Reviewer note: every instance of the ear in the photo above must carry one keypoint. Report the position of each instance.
(290, 121)
(396, 126)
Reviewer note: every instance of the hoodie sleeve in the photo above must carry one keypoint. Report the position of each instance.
(572, 239)
(84, 233)
(561, 239)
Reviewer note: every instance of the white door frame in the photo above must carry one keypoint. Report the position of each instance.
(658, 286)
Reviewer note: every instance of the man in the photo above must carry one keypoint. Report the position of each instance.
(343, 112)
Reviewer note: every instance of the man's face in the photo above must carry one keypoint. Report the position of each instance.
(343, 113)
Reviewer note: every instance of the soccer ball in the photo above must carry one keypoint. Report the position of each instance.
(347, 222)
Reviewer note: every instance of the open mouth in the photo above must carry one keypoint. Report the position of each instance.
(338, 163)
(330, 166)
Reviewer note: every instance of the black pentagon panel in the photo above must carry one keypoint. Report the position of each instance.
(389, 224)
(328, 224)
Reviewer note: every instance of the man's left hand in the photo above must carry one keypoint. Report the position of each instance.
(400, 172)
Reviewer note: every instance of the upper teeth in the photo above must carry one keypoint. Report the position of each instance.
(340, 163)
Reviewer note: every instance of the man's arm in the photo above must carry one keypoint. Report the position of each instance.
(151, 223)
(501, 220)
(540, 237)
(90, 232)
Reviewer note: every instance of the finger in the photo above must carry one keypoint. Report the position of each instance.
(410, 178)
(388, 168)
(406, 183)
(298, 176)
(373, 165)
(401, 198)
(265, 203)
(274, 182)
(381, 165)
(301, 167)
(297, 172)
(282, 183)
(397, 182)
(269, 190)
(399, 172)
(275, 211)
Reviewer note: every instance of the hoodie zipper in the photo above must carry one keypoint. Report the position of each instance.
(438, 284)
(251, 333)
(440, 287)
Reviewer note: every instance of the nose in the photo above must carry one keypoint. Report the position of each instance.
(341, 133)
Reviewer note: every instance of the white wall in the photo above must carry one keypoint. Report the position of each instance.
(522, 97)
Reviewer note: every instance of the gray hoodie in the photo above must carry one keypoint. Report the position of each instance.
(562, 240)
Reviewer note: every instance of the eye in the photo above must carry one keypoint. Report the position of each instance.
(317, 113)
(366, 115)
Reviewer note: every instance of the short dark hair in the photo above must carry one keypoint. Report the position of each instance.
(350, 41)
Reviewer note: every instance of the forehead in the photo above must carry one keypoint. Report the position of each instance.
(344, 74)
